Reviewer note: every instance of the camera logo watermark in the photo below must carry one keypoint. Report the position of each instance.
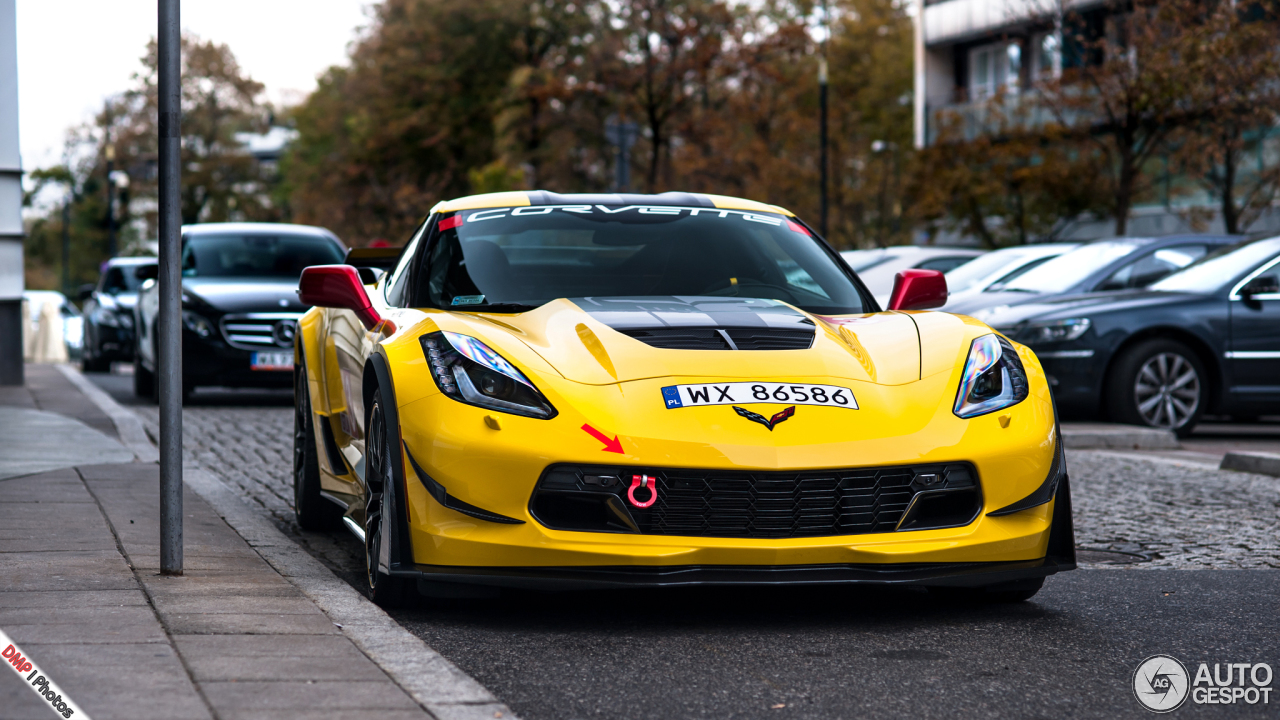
(1162, 684)
(35, 679)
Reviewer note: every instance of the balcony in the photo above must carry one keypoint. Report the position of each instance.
(952, 21)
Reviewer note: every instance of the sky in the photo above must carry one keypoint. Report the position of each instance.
(74, 53)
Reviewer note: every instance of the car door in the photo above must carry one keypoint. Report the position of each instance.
(1254, 352)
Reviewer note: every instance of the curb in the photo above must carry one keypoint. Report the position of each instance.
(430, 679)
(1105, 436)
(1252, 462)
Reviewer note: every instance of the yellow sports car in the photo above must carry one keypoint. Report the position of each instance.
(593, 391)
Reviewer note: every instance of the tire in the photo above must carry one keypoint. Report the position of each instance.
(1158, 383)
(1011, 592)
(91, 364)
(312, 511)
(144, 381)
(385, 590)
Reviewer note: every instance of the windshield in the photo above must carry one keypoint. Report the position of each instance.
(1065, 271)
(527, 256)
(865, 260)
(1220, 268)
(968, 274)
(255, 255)
(120, 279)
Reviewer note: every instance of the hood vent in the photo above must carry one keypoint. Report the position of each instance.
(687, 338)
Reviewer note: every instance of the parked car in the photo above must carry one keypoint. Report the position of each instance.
(70, 325)
(240, 305)
(998, 267)
(1117, 264)
(108, 313)
(1205, 339)
(877, 268)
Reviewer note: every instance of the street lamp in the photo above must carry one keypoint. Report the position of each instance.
(822, 122)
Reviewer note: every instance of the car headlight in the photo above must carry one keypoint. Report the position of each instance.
(106, 318)
(993, 378)
(470, 372)
(1052, 332)
(197, 324)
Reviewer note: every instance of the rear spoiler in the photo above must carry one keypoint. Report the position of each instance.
(383, 258)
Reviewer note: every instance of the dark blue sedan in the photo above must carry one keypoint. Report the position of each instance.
(1205, 339)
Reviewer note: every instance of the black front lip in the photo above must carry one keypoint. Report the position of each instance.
(603, 578)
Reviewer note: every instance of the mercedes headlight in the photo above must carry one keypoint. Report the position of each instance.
(993, 378)
(470, 372)
(197, 324)
(1052, 332)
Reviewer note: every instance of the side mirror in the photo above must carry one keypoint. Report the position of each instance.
(1261, 285)
(85, 292)
(147, 272)
(337, 286)
(918, 290)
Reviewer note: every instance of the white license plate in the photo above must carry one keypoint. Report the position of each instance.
(271, 361)
(741, 393)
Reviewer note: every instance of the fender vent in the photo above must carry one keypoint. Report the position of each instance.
(739, 338)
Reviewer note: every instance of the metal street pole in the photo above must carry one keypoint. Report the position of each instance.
(111, 201)
(822, 122)
(169, 365)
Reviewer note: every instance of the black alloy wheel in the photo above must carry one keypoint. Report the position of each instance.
(1159, 383)
(385, 590)
(313, 511)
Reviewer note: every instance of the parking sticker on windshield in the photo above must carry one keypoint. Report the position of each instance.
(741, 393)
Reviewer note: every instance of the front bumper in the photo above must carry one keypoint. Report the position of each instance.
(212, 362)
(496, 470)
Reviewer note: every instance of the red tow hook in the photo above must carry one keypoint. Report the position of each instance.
(648, 483)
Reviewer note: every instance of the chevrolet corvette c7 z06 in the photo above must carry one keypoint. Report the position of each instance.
(593, 391)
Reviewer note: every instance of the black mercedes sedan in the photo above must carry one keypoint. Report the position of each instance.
(240, 304)
(1204, 339)
(108, 313)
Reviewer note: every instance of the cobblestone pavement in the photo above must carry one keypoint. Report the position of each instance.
(1177, 515)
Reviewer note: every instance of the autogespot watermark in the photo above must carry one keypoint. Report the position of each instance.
(37, 680)
(1162, 684)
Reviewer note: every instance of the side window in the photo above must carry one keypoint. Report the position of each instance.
(395, 288)
(1152, 267)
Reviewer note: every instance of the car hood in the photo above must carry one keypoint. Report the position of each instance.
(1061, 307)
(981, 305)
(233, 295)
(590, 340)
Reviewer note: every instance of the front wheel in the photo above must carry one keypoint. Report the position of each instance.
(385, 590)
(1158, 383)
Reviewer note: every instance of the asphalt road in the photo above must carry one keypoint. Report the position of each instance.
(850, 653)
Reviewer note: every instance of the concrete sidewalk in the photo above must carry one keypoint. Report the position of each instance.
(80, 592)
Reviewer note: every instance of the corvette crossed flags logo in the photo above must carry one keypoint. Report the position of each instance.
(769, 423)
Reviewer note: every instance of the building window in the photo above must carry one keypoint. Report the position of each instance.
(994, 67)
(1046, 51)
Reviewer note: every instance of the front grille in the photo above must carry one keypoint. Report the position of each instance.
(735, 338)
(703, 503)
(260, 331)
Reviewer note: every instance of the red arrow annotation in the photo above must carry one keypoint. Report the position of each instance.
(610, 445)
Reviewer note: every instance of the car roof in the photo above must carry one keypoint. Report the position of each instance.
(519, 198)
(255, 227)
(133, 260)
(904, 250)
